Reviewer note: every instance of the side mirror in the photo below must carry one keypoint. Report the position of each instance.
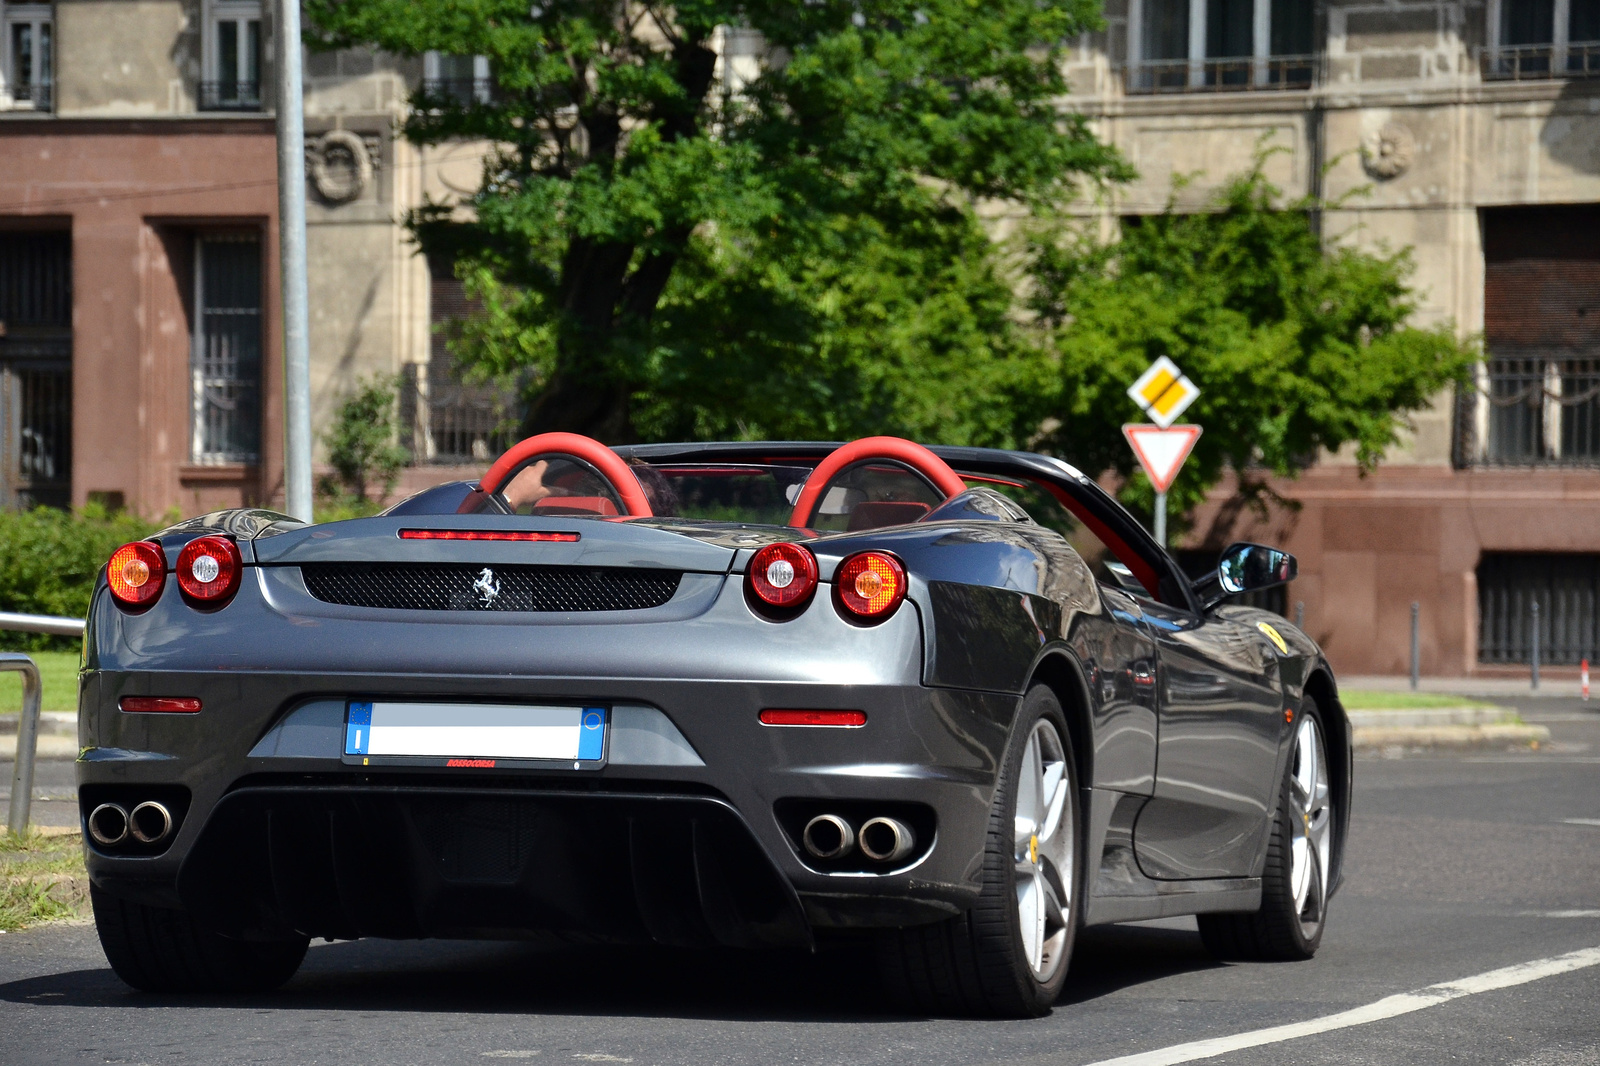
(1246, 568)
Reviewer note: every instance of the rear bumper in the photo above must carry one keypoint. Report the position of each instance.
(279, 836)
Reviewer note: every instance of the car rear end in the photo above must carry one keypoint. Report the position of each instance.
(490, 725)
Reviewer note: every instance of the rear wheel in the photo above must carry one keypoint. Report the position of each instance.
(1008, 955)
(1294, 884)
(160, 950)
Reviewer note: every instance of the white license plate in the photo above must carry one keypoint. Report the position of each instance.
(475, 731)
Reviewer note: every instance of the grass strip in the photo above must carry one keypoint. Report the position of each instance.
(42, 879)
(1368, 700)
(58, 674)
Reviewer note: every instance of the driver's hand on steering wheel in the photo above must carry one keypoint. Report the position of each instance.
(528, 487)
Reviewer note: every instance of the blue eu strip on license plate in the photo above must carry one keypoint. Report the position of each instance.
(475, 731)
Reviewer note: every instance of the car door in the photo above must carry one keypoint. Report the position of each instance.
(1220, 726)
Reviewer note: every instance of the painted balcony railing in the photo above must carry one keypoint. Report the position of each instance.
(1531, 411)
(1541, 62)
(230, 96)
(1242, 74)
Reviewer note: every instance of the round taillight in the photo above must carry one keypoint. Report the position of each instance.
(869, 586)
(136, 573)
(782, 576)
(208, 570)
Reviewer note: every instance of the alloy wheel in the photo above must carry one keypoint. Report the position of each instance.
(1311, 818)
(1044, 850)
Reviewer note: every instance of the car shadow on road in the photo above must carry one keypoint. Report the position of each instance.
(463, 977)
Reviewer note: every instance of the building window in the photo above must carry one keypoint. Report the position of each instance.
(1565, 587)
(462, 79)
(27, 63)
(225, 361)
(443, 418)
(232, 57)
(1536, 400)
(35, 369)
(1219, 45)
(1536, 39)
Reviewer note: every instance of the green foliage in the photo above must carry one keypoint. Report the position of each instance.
(52, 559)
(1297, 344)
(657, 256)
(360, 442)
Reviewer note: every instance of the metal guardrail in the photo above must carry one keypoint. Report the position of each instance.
(28, 724)
(27, 739)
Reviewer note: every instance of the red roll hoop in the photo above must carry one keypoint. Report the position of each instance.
(587, 449)
(896, 449)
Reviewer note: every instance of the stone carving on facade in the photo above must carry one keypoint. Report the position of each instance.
(340, 164)
(1389, 152)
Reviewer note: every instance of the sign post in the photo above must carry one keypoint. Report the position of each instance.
(1161, 452)
(1163, 393)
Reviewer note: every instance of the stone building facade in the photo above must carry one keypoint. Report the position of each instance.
(1468, 130)
(140, 359)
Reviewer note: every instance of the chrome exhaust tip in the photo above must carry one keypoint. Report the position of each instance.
(108, 825)
(886, 840)
(150, 822)
(827, 836)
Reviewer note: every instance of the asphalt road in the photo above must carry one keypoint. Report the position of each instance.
(1458, 866)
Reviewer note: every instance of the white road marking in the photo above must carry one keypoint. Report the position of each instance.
(510, 1054)
(1391, 1007)
(1581, 821)
(1559, 914)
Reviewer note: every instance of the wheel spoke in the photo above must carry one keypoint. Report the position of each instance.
(1055, 787)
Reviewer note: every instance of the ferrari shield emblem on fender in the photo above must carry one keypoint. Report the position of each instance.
(1274, 636)
(486, 587)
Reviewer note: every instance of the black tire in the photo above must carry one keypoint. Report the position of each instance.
(159, 950)
(1279, 931)
(976, 964)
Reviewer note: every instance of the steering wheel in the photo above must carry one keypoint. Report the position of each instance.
(896, 449)
(586, 450)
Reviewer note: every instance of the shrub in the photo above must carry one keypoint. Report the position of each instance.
(360, 442)
(49, 561)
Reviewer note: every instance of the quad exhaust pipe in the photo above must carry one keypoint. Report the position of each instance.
(886, 840)
(111, 824)
(108, 825)
(828, 836)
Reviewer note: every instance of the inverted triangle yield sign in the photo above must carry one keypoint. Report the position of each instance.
(1161, 451)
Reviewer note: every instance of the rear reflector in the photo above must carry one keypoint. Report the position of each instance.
(159, 704)
(835, 718)
(485, 534)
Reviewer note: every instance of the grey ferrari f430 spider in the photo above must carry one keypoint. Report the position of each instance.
(949, 704)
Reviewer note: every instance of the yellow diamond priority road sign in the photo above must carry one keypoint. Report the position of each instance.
(1163, 393)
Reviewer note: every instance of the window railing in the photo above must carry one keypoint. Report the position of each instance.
(1244, 74)
(1531, 411)
(230, 96)
(443, 420)
(27, 97)
(460, 90)
(1541, 62)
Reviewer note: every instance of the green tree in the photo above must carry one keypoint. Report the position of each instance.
(1298, 343)
(658, 256)
(361, 446)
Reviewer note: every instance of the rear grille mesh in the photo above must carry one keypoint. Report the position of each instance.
(446, 587)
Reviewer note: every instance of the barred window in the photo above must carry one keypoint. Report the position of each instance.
(1536, 400)
(225, 363)
(1220, 45)
(1564, 585)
